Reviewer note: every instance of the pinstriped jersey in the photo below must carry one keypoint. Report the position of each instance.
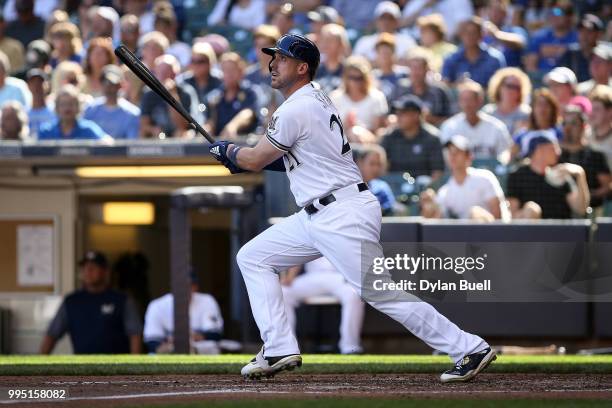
(318, 158)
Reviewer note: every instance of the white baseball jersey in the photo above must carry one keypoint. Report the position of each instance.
(204, 315)
(318, 158)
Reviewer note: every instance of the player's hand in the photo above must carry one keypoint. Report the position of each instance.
(219, 150)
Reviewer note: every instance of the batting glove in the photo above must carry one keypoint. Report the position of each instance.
(219, 151)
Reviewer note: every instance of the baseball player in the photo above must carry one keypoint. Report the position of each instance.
(321, 278)
(305, 137)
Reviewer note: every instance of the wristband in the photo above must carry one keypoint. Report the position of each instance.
(233, 154)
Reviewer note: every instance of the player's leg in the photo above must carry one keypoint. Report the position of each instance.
(351, 320)
(339, 232)
(302, 287)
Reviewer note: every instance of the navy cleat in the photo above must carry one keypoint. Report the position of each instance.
(469, 366)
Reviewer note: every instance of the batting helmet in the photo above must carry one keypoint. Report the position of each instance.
(298, 47)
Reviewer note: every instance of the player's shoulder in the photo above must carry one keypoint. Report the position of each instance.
(203, 298)
(161, 302)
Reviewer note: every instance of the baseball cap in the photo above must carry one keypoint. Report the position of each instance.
(38, 53)
(408, 103)
(460, 142)
(561, 75)
(387, 7)
(581, 102)
(94, 257)
(533, 139)
(604, 51)
(37, 73)
(591, 22)
(112, 74)
(325, 15)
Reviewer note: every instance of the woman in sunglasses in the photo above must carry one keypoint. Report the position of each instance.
(508, 92)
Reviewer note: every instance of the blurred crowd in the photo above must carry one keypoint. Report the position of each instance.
(483, 109)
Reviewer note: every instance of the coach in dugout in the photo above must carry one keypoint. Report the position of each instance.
(99, 319)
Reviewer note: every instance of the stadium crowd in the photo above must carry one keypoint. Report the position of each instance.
(483, 109)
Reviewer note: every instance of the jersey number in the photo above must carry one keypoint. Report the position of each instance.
(345, 144)
(292, 161)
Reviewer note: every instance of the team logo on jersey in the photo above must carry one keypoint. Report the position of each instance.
(272, 125)
(107, 309)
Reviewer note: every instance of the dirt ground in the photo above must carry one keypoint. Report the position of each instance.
(132, 390)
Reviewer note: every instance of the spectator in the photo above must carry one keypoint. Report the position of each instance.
(577, 57)
(469, 193)
(84, 12)
(453, 13)
(68, 126)
(130, 31)
(37, 56)
(544, 117)
(320, 17)
(357, 100)
(509, 90)
(58, 16)
(153, 45)
(69, 72)
(66, 41)
(321, 278)
(156, 116)
(143, 10)
(600, 68)
(205, 322)
(105, 24)
(542, 188)
(284, 19)
(550, 43)
(423, 83)
(99, 54)
(488, 136)
(372, 162)
(99, 319)
(507, 38)
(38, 83)
(387, 15)
(201, 75)
(474, 59)
(166, 23)
(433, 33)
(335, 47)
(14, 122)
(41, 9)
(28, 26)
(601, 121)
(562, 83)
(116, 116)
(12, 89)
(388, 73)
(247, 14)
(574, 149)
(233, 106)
(12, 48)
(358, 18)
(414, 146)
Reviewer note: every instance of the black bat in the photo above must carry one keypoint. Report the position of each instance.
(146, 76)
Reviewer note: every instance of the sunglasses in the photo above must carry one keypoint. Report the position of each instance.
(514, 87)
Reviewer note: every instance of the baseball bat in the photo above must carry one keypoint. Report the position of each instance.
(146, 76)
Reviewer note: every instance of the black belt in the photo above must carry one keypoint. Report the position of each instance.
(328, 199)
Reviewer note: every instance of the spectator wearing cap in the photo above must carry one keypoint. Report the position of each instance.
(13, 49)
(600, 68)
(423, 83)
(166, 23)
(335, 48)
(544, 188)
(507, 38)
(432, 35)
(372, 162)
(157, 119)
(39, 113)
(14, 122)
(98, 319)
(68, 125)
(28, 26)
(413, 146)
(578, 55)
(469, 193)
(205, 322)
(600, 120)
(474, 59)
(387, 72)
(104, 23)
(66, 41)
(574, 149)
(37, 55)
(12, 89)
(99, 54)
(116, 116)
(509, 91)
(319, 17)
(358, 18)
(562, 83)
(548, 45)
(387, 15)
(489, 138)
(130, 31)
(233, 107)
(200, 74)
(246, 14)
(258, 74)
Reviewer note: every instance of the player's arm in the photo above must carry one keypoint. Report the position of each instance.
(256, 158)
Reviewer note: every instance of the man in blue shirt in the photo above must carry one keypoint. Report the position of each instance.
(474, 59)
(550, 43)
(509, 39)
(116, 116)
(68, 126)
(578, 56)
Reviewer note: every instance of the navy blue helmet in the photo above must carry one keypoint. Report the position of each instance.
(298, 47)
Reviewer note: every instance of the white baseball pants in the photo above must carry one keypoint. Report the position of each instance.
(337, 232)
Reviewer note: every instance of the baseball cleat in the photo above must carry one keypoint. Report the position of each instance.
(260, 366)
(469, 366)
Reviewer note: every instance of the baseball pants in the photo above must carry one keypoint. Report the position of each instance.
(337, 232)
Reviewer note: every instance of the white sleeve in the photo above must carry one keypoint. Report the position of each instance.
(441, 200)
(283, 130)
(381, 104)
(218, 12)
(446, 131)
(504, 140)
(153, 327)
(492, 188)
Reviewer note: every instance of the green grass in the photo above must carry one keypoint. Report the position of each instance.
(231, 364)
